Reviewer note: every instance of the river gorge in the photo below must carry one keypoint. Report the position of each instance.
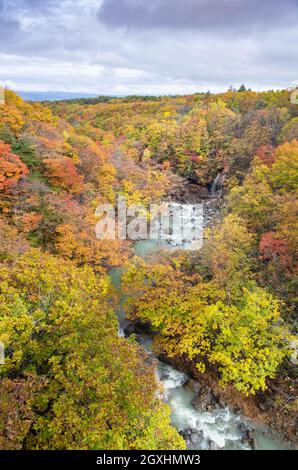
(215, 425)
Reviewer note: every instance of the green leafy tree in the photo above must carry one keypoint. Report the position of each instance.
(245, 340)
(58, 327)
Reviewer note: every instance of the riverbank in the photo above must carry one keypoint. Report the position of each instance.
(267, 409)
(272, 408)
(201, 408)
(262, 415)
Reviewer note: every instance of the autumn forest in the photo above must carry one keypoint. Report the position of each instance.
(225, 315)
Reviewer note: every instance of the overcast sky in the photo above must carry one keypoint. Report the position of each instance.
(147, 46)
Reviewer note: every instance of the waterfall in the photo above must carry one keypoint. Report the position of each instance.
(217, 183)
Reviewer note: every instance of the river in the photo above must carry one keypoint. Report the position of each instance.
(217, 429)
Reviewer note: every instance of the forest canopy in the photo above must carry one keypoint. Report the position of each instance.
(69, 381)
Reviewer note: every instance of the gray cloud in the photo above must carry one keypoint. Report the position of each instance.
(8, 27)
(10, 10)
(109, 46)
(13, 6)
(198, 14)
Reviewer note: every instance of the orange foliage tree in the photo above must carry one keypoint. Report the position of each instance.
(12, 169)
(62, 173)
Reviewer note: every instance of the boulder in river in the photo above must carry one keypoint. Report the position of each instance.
(192, 437)
(248, 439)
(213, 445)
(196, 437)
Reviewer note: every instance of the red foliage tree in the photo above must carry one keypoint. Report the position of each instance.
(63, 173)
(266, 154)
(272, 248)
(12, 169)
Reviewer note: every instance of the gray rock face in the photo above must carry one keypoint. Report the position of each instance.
(205, 400)
(193, 385)
(137, 327)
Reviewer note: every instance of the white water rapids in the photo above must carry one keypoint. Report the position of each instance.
(220, 428)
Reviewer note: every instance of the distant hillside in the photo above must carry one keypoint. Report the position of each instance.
(53, 95)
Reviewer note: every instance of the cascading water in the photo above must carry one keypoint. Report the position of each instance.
(220, 428)
(217, 184)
